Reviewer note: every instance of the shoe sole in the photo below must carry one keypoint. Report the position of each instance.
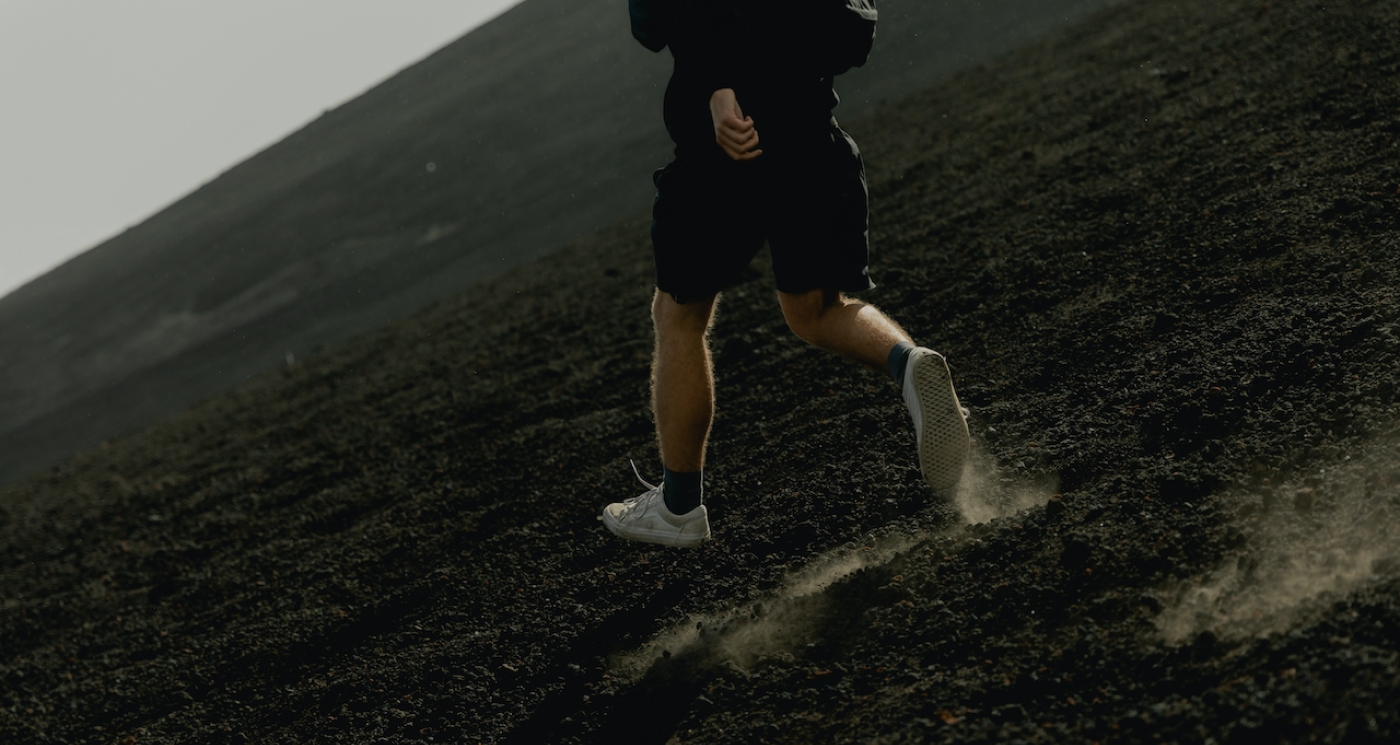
(658, 537)
(945, 442)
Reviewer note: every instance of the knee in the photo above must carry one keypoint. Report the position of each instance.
(670, 316)
(804, 317)
(803, 327)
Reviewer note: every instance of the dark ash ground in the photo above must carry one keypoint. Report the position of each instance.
(1160, 250)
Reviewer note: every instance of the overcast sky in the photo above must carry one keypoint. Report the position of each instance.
(110, 111)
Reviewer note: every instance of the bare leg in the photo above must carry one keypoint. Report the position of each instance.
(683, 398)
(850, 328)
(861, 332)
(682, 383)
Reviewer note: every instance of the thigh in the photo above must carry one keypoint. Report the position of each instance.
(820, 230)
(705, 226)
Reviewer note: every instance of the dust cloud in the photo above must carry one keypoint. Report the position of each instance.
(1307, 542)
(794, 615)
(987, 493)
(774, 626)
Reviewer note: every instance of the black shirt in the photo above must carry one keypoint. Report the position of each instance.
(779, 56)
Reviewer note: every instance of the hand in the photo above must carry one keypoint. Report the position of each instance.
(733, 131)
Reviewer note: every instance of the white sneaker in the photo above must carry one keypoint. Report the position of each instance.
(940, 422)
(645, 518)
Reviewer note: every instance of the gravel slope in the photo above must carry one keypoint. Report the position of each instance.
(1160, 250)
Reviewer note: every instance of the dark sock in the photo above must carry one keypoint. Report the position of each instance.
(898, 360)
(682, 490)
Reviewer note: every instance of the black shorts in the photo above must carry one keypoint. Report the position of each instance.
(711, 216)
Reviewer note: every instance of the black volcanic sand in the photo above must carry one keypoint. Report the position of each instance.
(1161, 252)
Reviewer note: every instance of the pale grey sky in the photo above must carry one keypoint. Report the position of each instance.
(109, 111)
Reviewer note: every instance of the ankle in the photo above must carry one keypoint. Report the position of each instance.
(683, 491)
(898, 360)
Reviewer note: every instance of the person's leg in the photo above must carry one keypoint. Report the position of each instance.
(859, 331)
(829, 320)
(682, 383)
(683, 400)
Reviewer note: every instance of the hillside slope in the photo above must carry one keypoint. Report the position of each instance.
(538, 128)
(1160, 250)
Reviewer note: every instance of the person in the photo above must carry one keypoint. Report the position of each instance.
(759, 157)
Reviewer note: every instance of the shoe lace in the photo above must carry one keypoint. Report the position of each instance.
(640, 502)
